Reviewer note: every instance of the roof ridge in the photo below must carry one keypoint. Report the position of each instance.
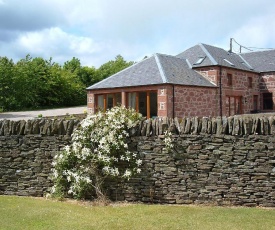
(208, 54)
(161, 71)
(259, 51)
(188, 63)
(169, 55)
(246, 62)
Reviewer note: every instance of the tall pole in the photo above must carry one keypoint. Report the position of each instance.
(220, 90)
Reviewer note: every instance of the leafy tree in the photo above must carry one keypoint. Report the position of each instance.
(74, 65)
(32, 76)
(112, 67)
(88, 76)
(73, 89)
(26, 82)
(36, 82)
(6, 83)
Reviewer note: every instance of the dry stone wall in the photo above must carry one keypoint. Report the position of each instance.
(215, 160)
(26, 152)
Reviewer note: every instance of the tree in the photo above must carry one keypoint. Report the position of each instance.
(73, 65)
(73, 89)
(36, 82)
(7, 98)
(88, 76)
(112, 67)
(26, 82)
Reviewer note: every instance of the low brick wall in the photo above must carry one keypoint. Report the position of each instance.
(218, 161)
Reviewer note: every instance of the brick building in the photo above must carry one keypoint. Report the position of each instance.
(202, 81)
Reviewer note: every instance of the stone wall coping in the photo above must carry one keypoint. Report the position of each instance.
(262, 124)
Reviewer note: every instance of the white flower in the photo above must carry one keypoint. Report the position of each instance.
(116, 172)
(76, 146)
(85, 151)
(53, 189)
(55, 173)
(138, 170)
(138, 162)
(106, 159)
(85, 123)
(67, 148)
(106, 169)
(127, 173)
(88, 180)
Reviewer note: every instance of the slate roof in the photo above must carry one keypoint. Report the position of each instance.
(180, 69)
(262, 61)
(214, 56)
(155, 70)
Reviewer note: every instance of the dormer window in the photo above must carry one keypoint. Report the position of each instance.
(230, 63)
(199, 61)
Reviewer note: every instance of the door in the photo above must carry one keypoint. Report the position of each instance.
(233, 105)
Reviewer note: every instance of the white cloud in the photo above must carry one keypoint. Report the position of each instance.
(56, 43)
(257, 33)
(95, 31)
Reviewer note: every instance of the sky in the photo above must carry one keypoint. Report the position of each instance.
(96, 31)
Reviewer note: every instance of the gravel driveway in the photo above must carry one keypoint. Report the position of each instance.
(27, 115)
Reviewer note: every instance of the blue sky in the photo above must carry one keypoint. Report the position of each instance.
(95, 31)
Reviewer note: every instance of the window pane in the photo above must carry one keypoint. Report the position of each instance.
(153, 104)
(109, 101)
(142, 103)
(100, 102)
(132, 100)
(118, 99)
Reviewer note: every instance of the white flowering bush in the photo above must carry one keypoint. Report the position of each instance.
(99, 149)
(168, 140)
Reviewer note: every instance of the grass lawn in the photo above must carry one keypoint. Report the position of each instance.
(32, 213)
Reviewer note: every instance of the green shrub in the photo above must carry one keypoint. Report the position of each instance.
(99, 149)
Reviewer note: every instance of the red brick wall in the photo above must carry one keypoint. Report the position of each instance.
(210, 73)
(162, 101)
(203, 101)
(196, 101)
(90, 102)
(239, 88)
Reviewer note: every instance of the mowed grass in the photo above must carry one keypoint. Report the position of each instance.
(32, 213)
